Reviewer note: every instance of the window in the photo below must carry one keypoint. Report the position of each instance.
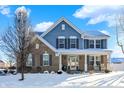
(98, 43)
(91, 43)
(73, 42)
(63, 26)
(91, 60)
(61, 42)
(98, 59)
(29, 60)
(37, 46)
(46, 59)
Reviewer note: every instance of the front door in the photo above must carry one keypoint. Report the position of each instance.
(73, 62)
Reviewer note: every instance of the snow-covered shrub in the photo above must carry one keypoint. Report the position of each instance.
(46, 72)
(52, 72)
(107, 71)
(59, 72)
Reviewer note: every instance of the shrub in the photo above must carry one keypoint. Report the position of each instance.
(52, 72)
(64, 68)
(12, 67)
(59, 72)
(107, 71)
(46, 72)
(5, 71)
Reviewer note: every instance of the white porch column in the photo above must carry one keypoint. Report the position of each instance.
(94, 61)
(85, 65)
(109, 61)
(60, 62)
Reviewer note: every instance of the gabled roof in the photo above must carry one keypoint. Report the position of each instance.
(59, 21)
(45, 42)
(95, 33)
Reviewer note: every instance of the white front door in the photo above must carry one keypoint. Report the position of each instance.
(73, 62)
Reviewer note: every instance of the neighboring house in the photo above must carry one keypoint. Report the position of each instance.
(65, 47)
(117, 64)
(2, 64)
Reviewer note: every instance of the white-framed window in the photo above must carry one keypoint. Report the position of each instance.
(37, 46)
(91, 43)
(98, 43)
(29, 60)
(61, 42)
(63, 26)
(73, 42)
(98, 60)
(91, 60)
(45, 59)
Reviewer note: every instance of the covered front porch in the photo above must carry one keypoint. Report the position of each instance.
(84, 61)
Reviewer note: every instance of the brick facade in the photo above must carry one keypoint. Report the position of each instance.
(38, 64)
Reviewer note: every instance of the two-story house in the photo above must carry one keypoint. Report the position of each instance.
(65, 47)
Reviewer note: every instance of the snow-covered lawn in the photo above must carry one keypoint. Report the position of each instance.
(113, 79)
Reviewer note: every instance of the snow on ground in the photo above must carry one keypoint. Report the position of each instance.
(113, 79)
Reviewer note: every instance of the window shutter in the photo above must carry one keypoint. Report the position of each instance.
(103, 43)
(50, 60)
(57, 43)
(33, 60)
(77, 42)
(86, 43)
(68, 43)
(41, 59)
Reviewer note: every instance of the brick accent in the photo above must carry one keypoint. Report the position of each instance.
(64, 60)
(37, 52)
(104, 61)
(81, 62)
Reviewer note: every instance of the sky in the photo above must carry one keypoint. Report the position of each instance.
(85, 17)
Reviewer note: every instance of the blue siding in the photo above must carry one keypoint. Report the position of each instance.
(57, 31)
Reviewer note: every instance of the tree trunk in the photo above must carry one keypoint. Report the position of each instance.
(22, 67)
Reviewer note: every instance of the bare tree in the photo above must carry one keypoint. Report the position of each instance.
(17, 40)
(120, 31)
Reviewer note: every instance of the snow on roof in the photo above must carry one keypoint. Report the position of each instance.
(117, 60)
(96, 33)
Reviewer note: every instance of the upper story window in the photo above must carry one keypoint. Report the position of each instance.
(46, 59)
(37, 46)
(91, 43)
(29, 60)
(61, 42)
(63, 26)
(73, 42)
(98, 43)
(95, 43)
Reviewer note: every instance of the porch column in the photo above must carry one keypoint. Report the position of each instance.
(60, 62)
(85, 65)
(94, 61)
(109, 61)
